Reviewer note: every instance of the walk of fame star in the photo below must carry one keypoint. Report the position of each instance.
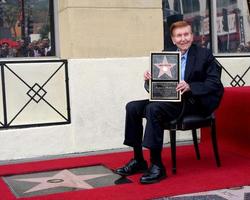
(63, 178)
(165, 67)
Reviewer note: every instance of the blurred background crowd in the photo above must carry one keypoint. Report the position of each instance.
(20, 48)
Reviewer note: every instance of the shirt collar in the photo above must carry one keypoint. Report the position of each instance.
(185, 54)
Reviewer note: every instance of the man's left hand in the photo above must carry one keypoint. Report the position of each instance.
(183, 87)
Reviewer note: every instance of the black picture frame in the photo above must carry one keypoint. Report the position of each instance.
(165, 69)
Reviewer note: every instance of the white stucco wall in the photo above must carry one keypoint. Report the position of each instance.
(99, 91)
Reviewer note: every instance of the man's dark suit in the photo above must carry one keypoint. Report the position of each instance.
(203, 76)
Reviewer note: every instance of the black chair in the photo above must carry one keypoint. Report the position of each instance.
(192, 122)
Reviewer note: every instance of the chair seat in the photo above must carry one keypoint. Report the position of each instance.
(195, 121)
(190, 122)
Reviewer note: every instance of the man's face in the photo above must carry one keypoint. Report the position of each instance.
(182, 37)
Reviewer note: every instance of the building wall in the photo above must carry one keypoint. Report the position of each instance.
(99, 91)
(110, 28)
(107, 44)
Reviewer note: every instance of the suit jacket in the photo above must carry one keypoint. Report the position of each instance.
(202, 73)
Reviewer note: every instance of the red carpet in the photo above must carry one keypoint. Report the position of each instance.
(192, 175)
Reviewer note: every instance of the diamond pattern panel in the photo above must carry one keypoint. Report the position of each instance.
(235, 71)
(35, 93)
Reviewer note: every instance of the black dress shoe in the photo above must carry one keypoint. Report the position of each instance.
(132, 167)
(153, 175)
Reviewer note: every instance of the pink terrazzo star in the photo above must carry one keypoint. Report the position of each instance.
(62, 179)
(165, 67)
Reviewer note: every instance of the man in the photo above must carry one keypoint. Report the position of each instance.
(203, 88)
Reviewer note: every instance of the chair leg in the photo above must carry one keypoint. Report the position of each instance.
(196, 147)
(173, 149)
(214, 142)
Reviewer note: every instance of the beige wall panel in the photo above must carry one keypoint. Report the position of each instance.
(110, 32)
(111, 3)
(62, 4)
(64, 34)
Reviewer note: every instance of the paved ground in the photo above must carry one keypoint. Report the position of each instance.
(239, 193)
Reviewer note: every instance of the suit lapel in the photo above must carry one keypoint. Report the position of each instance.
(190, 63)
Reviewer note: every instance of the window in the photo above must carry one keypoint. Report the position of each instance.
(195, 12)
(190, 6)
(26, 28)
(177, 6)
(232, 27)
(231, 23)
(223, 3)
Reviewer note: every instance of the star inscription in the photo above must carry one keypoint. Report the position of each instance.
(165, 67)
(64, 178)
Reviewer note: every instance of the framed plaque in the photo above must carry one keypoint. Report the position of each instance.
(165, 68)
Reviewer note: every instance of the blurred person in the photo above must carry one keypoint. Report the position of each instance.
(5, 50)
(30, 50)
(241, 48)
(41, 48)
(248, 46)
(47, 46)
(22, 50)
(36, 49)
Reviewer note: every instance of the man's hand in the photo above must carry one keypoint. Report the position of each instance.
(147, 75)
(183, 87)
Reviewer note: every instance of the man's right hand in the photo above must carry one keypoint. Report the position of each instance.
(147, 75)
